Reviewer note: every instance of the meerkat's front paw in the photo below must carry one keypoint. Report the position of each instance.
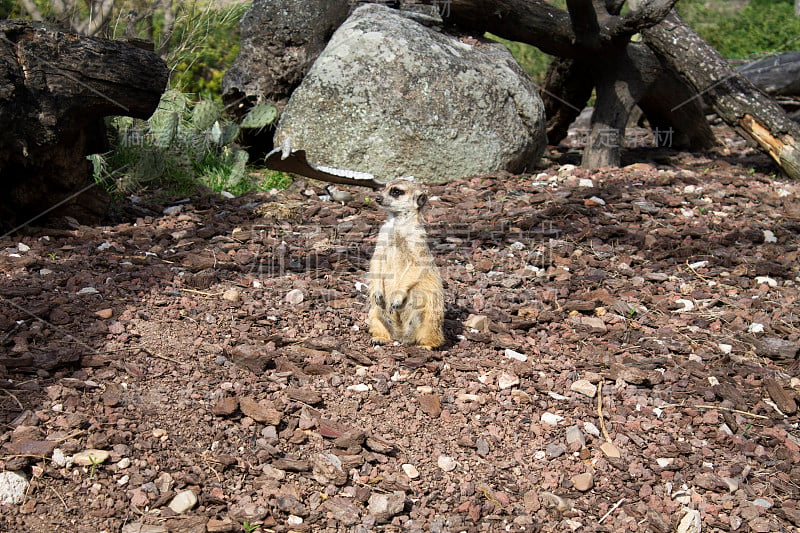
(379, 341)
(398, 300)
(379, 300)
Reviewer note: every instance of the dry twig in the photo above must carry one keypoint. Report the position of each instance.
(14, 398)
(613, 508)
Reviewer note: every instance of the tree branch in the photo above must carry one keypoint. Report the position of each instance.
(32, 10)
(99, 13)
(534, 22)
(735, 99)
(643, 14)
(169, 26)
(61, 8)
(583, 15)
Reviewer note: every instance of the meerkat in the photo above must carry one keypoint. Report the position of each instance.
(405, 288)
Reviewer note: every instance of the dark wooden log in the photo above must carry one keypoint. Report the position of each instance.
(776, 74)
(55, 89)
(735, 99)
(566, 90)
(592, 41)
(677, 118)
(620, 83)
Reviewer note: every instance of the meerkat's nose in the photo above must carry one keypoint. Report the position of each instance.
(379, 199)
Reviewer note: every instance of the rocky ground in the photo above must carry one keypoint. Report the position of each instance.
(621, 356)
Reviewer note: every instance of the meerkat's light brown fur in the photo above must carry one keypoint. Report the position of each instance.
(405, 289)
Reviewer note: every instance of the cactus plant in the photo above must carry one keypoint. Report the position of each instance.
(260, 116)
(182, 141)
(205, 114)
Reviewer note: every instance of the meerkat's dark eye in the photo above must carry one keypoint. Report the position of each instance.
(394, 192)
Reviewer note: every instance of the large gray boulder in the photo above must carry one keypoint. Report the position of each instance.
(280, 39)
(393, 97)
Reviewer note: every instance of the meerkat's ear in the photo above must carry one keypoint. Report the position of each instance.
(422, 199)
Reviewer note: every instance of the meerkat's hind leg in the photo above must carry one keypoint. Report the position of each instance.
(377, 329)
(411, 322)
(429, 334)
(430, 340)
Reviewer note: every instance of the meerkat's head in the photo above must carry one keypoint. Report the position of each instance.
(402, 196)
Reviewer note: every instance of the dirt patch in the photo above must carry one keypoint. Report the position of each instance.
(621, 355)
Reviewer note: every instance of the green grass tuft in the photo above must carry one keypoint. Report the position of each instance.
(757, 28)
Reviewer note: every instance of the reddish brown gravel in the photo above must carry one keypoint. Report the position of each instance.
(218, 355)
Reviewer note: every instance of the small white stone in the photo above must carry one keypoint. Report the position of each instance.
(585, 182)
(563, 169)
(448, 464)
(713, 381)
(294, 296)
(664, 462)
(183, 501)
(725, 348)
(123, 480)
(467, 397)
(90, 457)
(766, 280)
(688, 305)
(556, 396)
(511, 354)
(172, 210)
(104, 246)
(124, 463)
(59, 458)
(585, 387)
(294, 520)
(755, 327)
(231, 295)
(45, 272)
(769, 237)
(88, 290)
(698, 264)
(552, 419)
(597, 200)
(691, 521)
(13, 487)
(22, 247)
(517, 246)
(506, 381)
(410, 470)
(591, 429)
(359, 387)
